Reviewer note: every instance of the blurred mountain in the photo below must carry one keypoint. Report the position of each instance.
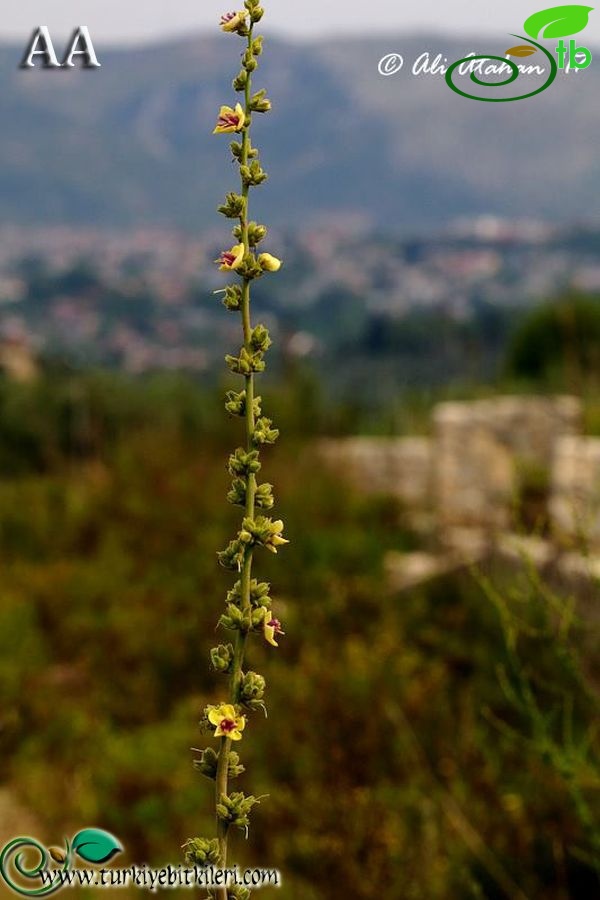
(131, 143)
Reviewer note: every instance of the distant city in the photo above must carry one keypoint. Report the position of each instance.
(145, 300)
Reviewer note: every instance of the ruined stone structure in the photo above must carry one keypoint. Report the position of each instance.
(465, 480)
(575, 498)
(481, 448)
(399, 467)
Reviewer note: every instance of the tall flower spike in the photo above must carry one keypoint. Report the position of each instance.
(248, 605)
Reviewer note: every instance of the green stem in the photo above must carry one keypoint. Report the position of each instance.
(246, 576)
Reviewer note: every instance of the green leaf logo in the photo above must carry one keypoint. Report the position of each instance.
(95, 846)
(557, 22)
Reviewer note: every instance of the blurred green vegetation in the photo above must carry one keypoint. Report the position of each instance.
(559, 343)
(434, 745)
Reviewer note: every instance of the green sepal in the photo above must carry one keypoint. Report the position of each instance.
(260, 103)
(245, 363)
(263, 498)
(237, 494)
(264, 433)
(248, 60)
(252, 691)
(259, 594)
(234, 206)
(234, 619)
(221, 658)
(232, 299)
(207, 764)
(232, 557)
(260, 340)
(243, 463)
(235, 404)
(234, 809)
(254, 174)
(201, 852)
(263, 532)
(256, 233)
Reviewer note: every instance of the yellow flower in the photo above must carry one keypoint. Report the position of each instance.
(226, 721)
(275, 540)
(272, 627)
(230, 120)
(232, 21)
(269, 263)
(230, 260)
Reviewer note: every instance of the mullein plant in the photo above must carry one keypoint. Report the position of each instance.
(248, 607)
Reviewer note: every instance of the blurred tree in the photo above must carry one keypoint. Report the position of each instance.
(559, 343)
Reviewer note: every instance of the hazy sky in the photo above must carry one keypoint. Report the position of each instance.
(142, 20)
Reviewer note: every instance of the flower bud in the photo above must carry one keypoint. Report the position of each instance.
(245, 363)
(235, 808)
(234, 205)
(259, 593)
(260, 340)
(237, 494)
(269, 263)
(263, 497)
(201, 852)
(234, 768)
(233, 298)
(244, 462)
(252, 687)
(240, 81)
(249, 268)
(253, 174)
(249, 62)
(221, 658)
(237, 892)
(235, 404)
(256, 233)
(263, 432)
(232, 557)
(258, 617)
(260, 102)
(233, 619)
(207, 764)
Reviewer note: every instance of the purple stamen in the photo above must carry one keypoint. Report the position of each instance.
(228, 120)
(227, 725)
